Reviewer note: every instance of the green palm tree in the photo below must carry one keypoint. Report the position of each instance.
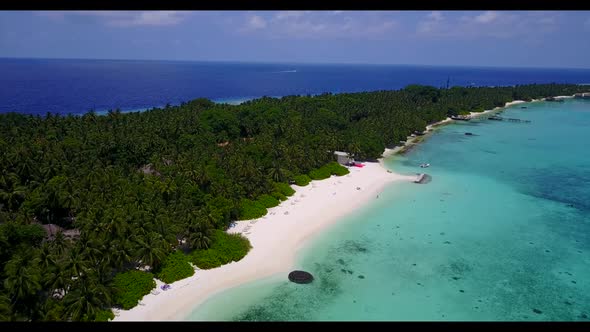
(52, 310)
(75, 263)
(47, 260)
(151, 249)
(22, 162)
(13, 197)
(86, 299)
(275, 172)
(354, 149)
(23, 282)
(167, 188)
(5, 308)
(199, 234)
(69, 201)
(121, 251)
(60, 244)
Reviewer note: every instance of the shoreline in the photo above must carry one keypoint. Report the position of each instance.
(275, 238)
(413, 140)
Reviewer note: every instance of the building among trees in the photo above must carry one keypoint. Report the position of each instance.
(343, 158)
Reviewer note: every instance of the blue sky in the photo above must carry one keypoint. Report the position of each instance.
(471, 38)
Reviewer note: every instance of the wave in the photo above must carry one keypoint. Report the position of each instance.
(287, 71)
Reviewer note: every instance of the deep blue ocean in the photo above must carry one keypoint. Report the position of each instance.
(38, 86)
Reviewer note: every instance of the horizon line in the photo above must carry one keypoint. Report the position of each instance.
(298, 63)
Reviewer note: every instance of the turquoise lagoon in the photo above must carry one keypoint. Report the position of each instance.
(502, 232)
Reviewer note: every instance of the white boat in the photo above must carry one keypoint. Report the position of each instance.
(424, 165)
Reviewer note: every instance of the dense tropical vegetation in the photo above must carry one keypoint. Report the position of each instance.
(225, 249)
(129, 287)
(156, 189)
(175, 267)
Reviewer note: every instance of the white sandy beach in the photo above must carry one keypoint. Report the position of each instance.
(486, 112)
(515, 102)
(275, 239)
(410, 139)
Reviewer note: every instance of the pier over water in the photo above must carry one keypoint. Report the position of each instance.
(499, 118)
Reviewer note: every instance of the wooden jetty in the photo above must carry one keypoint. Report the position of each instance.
(422, 178)
(499, 118)
(558, 100)
(460, 117)
(419, 133)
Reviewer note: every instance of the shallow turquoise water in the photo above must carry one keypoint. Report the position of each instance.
(502, 232)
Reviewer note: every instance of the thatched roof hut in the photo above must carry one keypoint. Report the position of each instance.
(51, 231)
(72, 233)
(149, 170)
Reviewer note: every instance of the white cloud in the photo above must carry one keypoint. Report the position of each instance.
(288, 14)
(155, 18)
(486, 17)
(488, 24)
(547, 20)
(327, 24)
(435, 16)
(256, 22)
(432, 23)
(55, 15)
(124, 18)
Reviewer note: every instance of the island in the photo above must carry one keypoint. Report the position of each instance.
(99, 213)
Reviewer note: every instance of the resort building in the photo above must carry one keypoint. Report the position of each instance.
(584, 95)
(343, 158)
